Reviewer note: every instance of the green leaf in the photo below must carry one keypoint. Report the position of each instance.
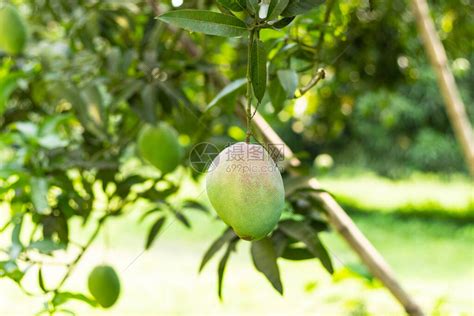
(283, 22)
(304, 233)
(55, 225)
(46, 246)
(252, 6)
(8, 84)
(361, 270)
(297, 253)
(229, 89)
(265, 260)
(124, 187)
(258, 69)
(155, 229)
(227, 236)
(277, 95)
(11, 270)
(41, 280)
(62, 297)
(192, 204)
(280, 242)
(39, 193)
(183, 219)
(51, 123)
(222, 265)
(233, 5)
(52, 141)
(289, 81)
(276, 8)
(297, 7)
(28, 129)
(16, 242)
(207, 22)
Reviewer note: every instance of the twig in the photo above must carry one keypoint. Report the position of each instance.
(249, 87)
(84, 249)
(320, 74)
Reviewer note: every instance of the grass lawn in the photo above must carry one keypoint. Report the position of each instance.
(422, 194)
(433, 257)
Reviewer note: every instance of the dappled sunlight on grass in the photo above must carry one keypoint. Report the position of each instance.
(421, 193)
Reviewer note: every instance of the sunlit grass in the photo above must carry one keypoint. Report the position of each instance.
(421, 193)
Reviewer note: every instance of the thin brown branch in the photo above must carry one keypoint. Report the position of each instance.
(320, 75)
(452, 99)
(81, 253)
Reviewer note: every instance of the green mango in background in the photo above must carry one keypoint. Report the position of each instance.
(159, 146)
(13, 31)
(104, 285)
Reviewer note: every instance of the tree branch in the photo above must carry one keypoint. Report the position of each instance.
(452, 99)
(320, 75)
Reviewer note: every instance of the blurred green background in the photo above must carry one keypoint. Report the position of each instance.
(374, 132)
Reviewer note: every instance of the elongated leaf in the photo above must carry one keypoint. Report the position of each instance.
(234, 5)
(155, 229)
(304, 233)
(124, 187)
(148, 213)
(207, 22)
(183, 219)
(229, 89)
(258, 69)
(280, 242)
(222, 265)
(227, 236)
(277, 95)
(8, 84)
(41, 280)
(276, 8)
(51, 124)
(252, 6)
(192, 204)
(296, 254)
(289, 81)
(361, 270)
(283, 22)
(16, 234)
(46, 246)
(63, 297)
(297, 7)
(265, 260)
(39, 193)
(11, 270)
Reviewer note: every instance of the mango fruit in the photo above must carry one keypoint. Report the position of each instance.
(245, 188)
(13, 32)
(159, 146)
(104, 285)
